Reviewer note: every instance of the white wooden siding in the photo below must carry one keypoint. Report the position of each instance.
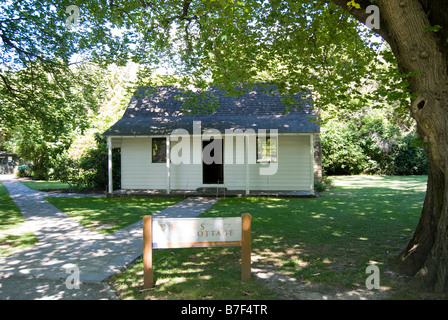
(137, 171)
(292, 172)
(294, 168)
(186, 176)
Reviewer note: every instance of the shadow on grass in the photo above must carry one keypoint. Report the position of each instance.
(108, 215)
(314, 243)
(196, 273)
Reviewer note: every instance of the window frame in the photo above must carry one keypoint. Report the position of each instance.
(161, 157)
(268, 157)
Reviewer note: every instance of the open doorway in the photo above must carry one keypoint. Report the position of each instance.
(212, 162)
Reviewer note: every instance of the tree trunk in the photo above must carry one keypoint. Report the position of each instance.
(426, 255)
(424, 52)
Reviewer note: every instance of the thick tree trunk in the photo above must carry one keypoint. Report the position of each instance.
(426, 255)
(407, 25)
(416, 50)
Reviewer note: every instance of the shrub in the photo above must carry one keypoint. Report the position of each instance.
(370, 145)
(341, 153)
(410, 157)
(91, 170)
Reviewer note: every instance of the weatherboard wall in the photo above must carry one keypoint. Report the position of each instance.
(294, 173)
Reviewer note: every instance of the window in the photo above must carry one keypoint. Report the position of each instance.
(158, 150)
(267, 149)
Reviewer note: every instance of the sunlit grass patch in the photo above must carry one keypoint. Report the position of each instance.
(191, 274)
(327, 241)
(10, 219)
(46, 185)
(107, 215)
(10, 243)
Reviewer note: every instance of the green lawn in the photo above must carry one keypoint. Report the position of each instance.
(45, 185)
(10, 215)
(327, 241)
(10, 219)
(107, 215)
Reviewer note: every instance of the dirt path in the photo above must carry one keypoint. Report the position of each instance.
(290, 288)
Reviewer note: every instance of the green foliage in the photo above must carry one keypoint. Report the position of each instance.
(435, 28)
(410, 159)
(326, 184)
(370, 145)
(84, 163)
(47, 101)
(116, 212)
(91, 170)
(341, 153)
(41, 138)
(93, 166)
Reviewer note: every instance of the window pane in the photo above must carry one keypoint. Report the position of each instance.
(267, 150)
(158, 150)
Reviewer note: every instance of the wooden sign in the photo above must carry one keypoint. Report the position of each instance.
(161, 233)
(196, 232)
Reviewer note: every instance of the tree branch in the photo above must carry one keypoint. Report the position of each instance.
(361, 15)
(437, 12)
(30, 55)
(12, 91)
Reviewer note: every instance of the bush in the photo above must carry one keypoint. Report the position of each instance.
(377, 139)
(341, 152)
(410, 157)
(91, 170)
(326, 184)
(23, 171)
(370, 145)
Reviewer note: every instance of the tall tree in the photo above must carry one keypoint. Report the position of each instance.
(417, 32)
(322, 45)
(45, 92)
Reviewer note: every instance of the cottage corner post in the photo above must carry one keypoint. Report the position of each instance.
(109, 164)
(312, 164)
(168, 162)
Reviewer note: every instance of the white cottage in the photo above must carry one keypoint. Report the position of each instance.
(249, 143)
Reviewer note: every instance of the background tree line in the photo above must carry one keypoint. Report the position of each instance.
(369, 143)
(312, 45)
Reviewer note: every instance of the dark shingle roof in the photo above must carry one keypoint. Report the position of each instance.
(158, 111)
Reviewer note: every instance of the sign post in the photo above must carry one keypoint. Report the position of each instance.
(246, 240)
(161, 233)
(148, 273)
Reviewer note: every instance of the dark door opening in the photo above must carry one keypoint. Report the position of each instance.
(212, 162)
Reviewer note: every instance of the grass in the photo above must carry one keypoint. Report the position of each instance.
(327, 241)
(10, 219)
(10, 243)
(10, 215)
(107, 215)
(207, 268)
(46, 185)
(191, 274)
